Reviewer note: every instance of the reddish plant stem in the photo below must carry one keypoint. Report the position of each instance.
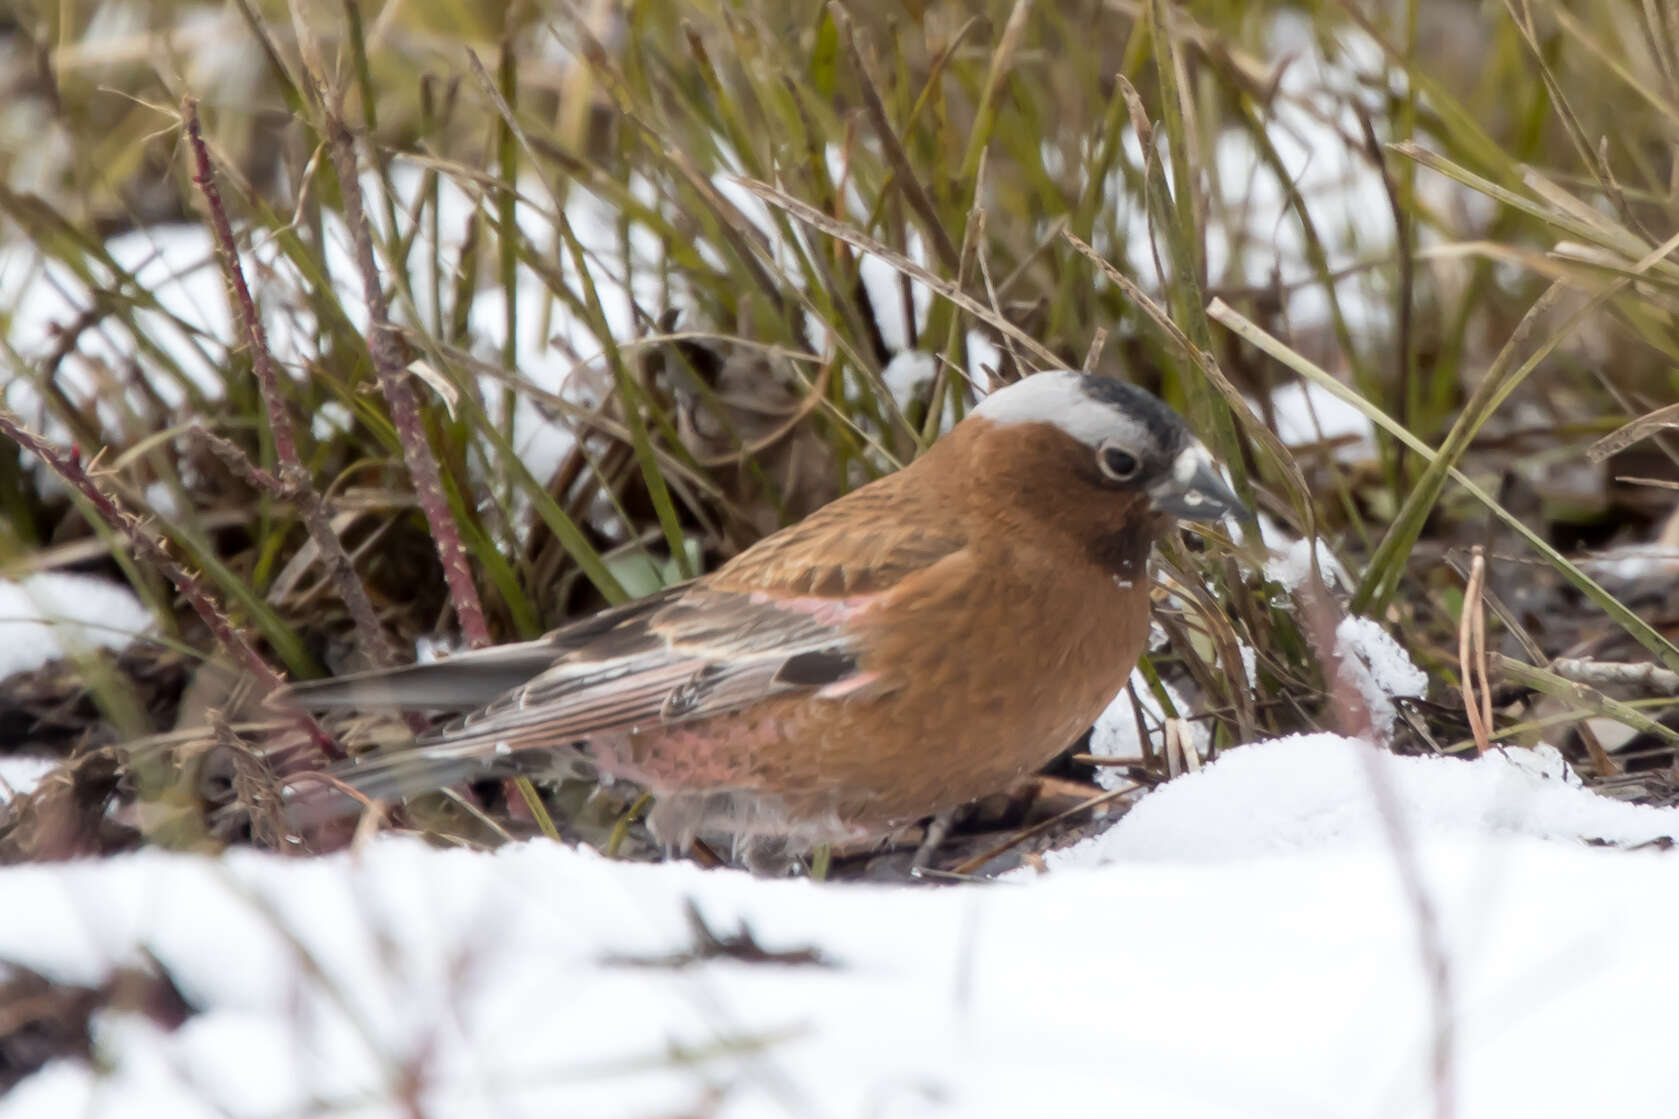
(1356, 722)
(256, 337)
(293, 481)
(386, 350)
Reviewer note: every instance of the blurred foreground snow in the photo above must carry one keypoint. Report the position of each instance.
(1237, 946)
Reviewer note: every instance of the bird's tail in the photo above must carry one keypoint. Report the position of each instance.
(458, 683)
(321, 803)
(416, 770)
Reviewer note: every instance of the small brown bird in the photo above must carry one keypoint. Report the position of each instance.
(922, 642)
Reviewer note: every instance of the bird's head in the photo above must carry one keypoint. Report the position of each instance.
(1102, 459)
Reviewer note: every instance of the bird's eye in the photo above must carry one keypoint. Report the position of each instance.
(1118, 463)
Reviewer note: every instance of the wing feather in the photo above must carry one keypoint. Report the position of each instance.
(705, 654)
(774, 621)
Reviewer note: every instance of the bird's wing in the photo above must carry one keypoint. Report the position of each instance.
(467, 681)
(867, 542)
(703, 653)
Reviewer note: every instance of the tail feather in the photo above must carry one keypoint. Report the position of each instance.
(458, 683)
(411, 772)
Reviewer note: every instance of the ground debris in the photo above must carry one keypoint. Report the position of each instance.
(43, 1021)
(741, 947)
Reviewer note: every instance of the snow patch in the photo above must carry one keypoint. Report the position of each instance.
(1315, 792)
(21, 775)
(1291, 566)
(339, 984)
(1117, 735)
(1378, 666)
(1635, 563)
(907, 373)
(319, 984)
(1305, 413)
(47, 615)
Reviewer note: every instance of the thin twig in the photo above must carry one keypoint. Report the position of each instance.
(1320, 612)
(146, 545)
(152, 549)
(968, 866)
(255, 336)
(385, 348)
(293, 480)
(1644, 675)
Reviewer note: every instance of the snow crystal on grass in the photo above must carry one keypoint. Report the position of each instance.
(46, 615)
(1271, 534)
(1378, 666)
(1314, 791)
(1291, 565)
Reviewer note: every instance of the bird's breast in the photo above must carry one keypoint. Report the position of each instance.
(986, 685)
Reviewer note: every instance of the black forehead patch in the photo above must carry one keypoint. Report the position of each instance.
(1164, 425)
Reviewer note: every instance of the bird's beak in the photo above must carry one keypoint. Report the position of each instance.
(1194, 490)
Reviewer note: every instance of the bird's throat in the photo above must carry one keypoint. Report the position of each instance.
(1122, 554)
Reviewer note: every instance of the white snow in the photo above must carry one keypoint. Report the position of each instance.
(907, 373)
(1310, 792)
(1239, 945)
(1634, 563)
(20, 774)
(1117, 735)
(1375, 665)
(1378, 667)
(51, 614)
(1306, 413)
(1655, 562)
(1291, 565)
